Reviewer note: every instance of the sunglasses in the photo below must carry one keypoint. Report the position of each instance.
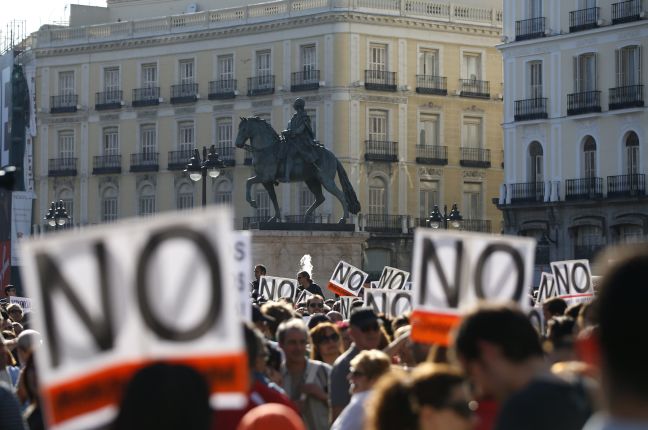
(316, 305)
(334, 337)
(371, 327)
(463, 409)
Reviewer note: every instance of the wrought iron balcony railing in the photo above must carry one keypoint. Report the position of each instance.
(147, 96)
(102, 164)
(583, 189)
(583, 19)
(184, 93)
(222, 89)
(380, 80)
(428, 84)
(530, 109)
(227, 154)
(178, 160)
(63, 166)
(109, 100)
(65, 103)
(308, 80)
(626, 97)
(477, 225)
(530, 28)
(261, 85)
(626, 185)
(145, 162)
(475, 157)
(584, 102)
(379, 223)
(529, 192)
(474, 88)
(381, 150)
(626, 11)
(432, 154)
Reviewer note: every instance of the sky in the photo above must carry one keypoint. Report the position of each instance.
(38, 12)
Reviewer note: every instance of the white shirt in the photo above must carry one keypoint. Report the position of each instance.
(352, 417)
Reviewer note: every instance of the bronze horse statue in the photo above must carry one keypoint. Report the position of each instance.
(266, 148)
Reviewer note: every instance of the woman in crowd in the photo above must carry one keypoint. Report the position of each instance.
(434, 397)
(326, 343)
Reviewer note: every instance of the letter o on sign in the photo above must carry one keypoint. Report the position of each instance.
(207, 322)
(517, 269)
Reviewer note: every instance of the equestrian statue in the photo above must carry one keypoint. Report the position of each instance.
(294, 157)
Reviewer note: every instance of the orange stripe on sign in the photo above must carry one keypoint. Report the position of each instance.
(338, 290)
(432, 328)
(88, 393)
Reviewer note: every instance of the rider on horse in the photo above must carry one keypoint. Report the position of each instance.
(299, 135)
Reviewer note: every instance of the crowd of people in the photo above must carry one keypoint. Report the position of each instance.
(312, 369)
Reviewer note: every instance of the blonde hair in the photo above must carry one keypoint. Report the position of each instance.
(373, 363)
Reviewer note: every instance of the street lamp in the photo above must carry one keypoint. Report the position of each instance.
(438, 220)
(57, 216)
(210, 165)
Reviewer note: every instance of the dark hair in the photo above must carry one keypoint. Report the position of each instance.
(555, 306)
(560, 331)
(279, 311)
(398, 322)
(304, 274)
(574, 310)
(261, 268)
(316, 320)
(622, 322)
(254, 343)
(432, 383)
(503, 326)
(274, 356)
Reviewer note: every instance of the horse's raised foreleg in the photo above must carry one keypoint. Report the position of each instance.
(316, 188)
(248, 190)
(269, 186)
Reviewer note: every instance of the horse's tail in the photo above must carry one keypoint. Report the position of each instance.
(349, 194)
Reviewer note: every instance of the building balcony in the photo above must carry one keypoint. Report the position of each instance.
(380, 80)
(145, 162)
(222, 89)
(587, 252)
(64, 166)
(428, 84)
(584, 189)
(626, 97)
(529, 192)
(381, 150)
(184, 93)
(66, 103)
(626, 185)
(477, 225)
(227, 154)
(261, 85)
(307, 80)
(108, 100)
(530, 109)
(475, 157)
(432, 154)
(530, 28)
(474, 88)
(584, 19)
(102, 164)
(582, 103)
(626, 11)
(178, 160)
(148, 96)
(379, 223)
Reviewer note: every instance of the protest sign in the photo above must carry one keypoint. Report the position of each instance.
(546, 289)
(392, 303)
(347, 280)
(275, 288)
(24, 302)
(572, 281)
(373, 284)
(242, 276)
(116, 298)
(393, 278)
(345, 306)
(453, 271)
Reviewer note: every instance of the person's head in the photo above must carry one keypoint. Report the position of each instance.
(15, 312)
(561, 337)
(149, 395)
(326, 343)
(293, 337)
(271, 416)
(279, 312)
(303, 279)
(586, 317)
(315, 304)
(334, 316)
(492, 341)
(344, 328)
(317, 319)
(261, 320)
(10, 290)
(398, 322)
(573, 310)
(17, 328)
(364, 328)
(259, 271)
(299, 104)
(622, 318)
(554, 307)
(26, 343)
(255, 346)
(366, 368)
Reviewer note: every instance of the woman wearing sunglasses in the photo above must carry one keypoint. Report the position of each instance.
(326, 344)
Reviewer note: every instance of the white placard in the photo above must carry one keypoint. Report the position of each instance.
(275, 288)
(347, 280)
(242, 275)
(393, 279)
(572, 281)
(392, 303)
(24, 302)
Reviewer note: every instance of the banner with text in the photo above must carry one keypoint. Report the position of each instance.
(347, 280)
(572, 281)
(275, 288)
(393, 279)
(24, 302)
(242, 275)
(392, 303)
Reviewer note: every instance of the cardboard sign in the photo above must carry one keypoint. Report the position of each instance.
(572, 281)
(24, 302)
(242, 272)
(392, 303)
(373, 284)
(393, 279)
(345, 306)
(116, 298)
(546, 289)
(347, 280)
(536, 317)
(274, 288)
(453, 271)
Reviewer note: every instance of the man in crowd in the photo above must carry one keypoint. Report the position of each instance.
(315, 304)
(259, 271)
(306, 283)
(364, 330)
(305, 381)
(10, 290)
(500, 352)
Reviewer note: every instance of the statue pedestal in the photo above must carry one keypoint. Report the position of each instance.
(280, 252)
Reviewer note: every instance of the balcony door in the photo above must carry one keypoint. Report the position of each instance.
(536, 165)
(585, 73)
(589, 158)
(632, 154)
(535, 80)
(534, 8)
(628, 66)
(308, 62)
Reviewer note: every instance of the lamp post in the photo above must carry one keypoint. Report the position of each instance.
(199, 169)
(57, 216)
(438, 220)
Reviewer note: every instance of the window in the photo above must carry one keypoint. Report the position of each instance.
(263, 203)
(586, 4)
(308, 61)
(110, 141)
(472, 66)
(264, 68)
(472, 193)
(187, 71)
(589, 235)
(149, 75)
(67, 196)
(306, 199)
(534, 8)
(631, 234)
(428, 62)
(225, 67)
(66, 83)
(312, 113)
(66, 144)
(223, 192)
(535, 80)
(223, 134)
(628, 66)
(536, 163)
(377, 197)
(428, 197)
(378, 125)
(429, 130)
(186, 136)
(472, 132)
(377, 57)
(109, 205)
(632, 153)
(589, 157)
(148, 142)
(185, 198)
(111, 79)
(146, 203)
(585, 73)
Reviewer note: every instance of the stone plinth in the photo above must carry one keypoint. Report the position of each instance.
(280, 251)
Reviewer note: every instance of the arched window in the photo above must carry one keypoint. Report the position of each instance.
(68, 202)
(377, 196)
(146, 200)
(223, 192)
(632, 153)
(589, 157)
(536, 162)
(185, 198)
(109, 205)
